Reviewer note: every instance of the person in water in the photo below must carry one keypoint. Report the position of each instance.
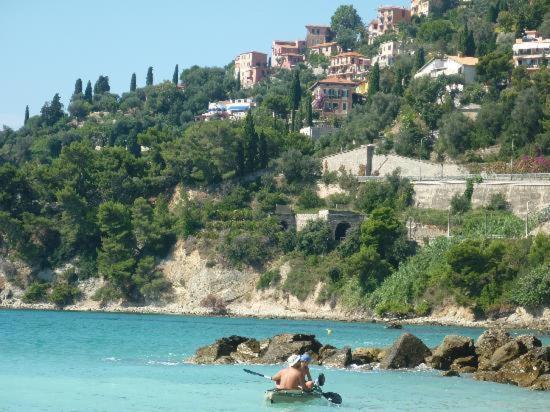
(292, 377)
(305, 359)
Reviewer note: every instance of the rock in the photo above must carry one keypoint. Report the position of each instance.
(529, 342)
(450, 373)
(490, 341)
(337, 358)
(394, 325)
(542, 383)
(248, 351)
(220, 351)
(453, 347)
(407, 352)
(363, 356)
(466, 369)
(506, 353)
(467, 364)
(282, 346)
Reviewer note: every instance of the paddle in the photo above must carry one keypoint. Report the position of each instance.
(330, 396)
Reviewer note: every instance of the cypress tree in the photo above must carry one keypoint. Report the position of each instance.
(88, 92)
(398, 86)
(149, 79)
(470, 49)
(78, 87)
(251, 143)
(176, 75)
(262, 151)
(419, 60)
(295, 90)
(133, 83)
(309, 111)
(240, 159)
(374, 80)
(102, 85)
(238, 81)
(26, 115)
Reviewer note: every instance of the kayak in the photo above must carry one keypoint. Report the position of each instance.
(291, 396)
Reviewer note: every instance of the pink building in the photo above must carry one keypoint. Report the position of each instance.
(333, 96)
(350, 66)
(387, 20)
(327, 49)
(287, 54)
(251, 68)
(420, 7)
(317, 34)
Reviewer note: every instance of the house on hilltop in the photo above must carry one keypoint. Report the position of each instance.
(251, 68)
(531, 51)
(387, 19)
(349, 65)
(287, 54)
(450, 65)
(317, 34)
(333, 96)
(326, 49)
(420, 7)
(387, 53)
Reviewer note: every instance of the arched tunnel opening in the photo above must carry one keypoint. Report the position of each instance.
(341, 231)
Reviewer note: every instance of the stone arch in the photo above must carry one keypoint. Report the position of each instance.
(284, 225)
(341, 230)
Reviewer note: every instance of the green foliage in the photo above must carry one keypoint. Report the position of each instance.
(532, 288)
(540, 250)
(102, 85)
(298, 167)
(243, 247)
(63, 294)
(498, 201)
(175, 76)
(309, 199)
(303, 277)
(88, 92)
(149, 77)
(394, 192)
(107, 294)
(269, 279)
(52, 112)
(36, 292)
(374, 79)
(315, 238)
(133, 82)
(455, 133)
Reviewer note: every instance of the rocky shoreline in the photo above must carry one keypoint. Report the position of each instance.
(495, 356)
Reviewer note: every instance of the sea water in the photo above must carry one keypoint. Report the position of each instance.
(61, 361)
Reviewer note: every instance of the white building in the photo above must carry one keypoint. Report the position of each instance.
(229, 109)
(450, 65)
(387, 53)
(531, 51)
(420, 7)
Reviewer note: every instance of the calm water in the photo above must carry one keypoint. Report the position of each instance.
(56, 361)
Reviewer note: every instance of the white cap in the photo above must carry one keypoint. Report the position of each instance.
(293, 360)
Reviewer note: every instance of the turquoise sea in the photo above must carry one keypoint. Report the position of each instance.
(61, 361)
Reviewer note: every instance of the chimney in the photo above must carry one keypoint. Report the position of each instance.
(370, 155)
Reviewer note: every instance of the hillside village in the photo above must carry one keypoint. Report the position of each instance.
(396, 168)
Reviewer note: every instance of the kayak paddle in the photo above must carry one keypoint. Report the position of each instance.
(329, 396)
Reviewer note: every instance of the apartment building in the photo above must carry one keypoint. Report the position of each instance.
(450, 65)
(387, 53)
(420, 7)
(531, 51)
(349, 65)
(333, 96)
(317, 34)
(287, 54)
(326, 49)
(251, 68)
(387, 20)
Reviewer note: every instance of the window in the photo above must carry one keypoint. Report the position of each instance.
(344, 106)
(344, 93)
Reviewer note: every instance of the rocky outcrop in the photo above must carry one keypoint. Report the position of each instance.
(407, 352)
(220, 351)
(364, 356)
(282, 346)
(453, 347)
(336, 358)
(488, 343)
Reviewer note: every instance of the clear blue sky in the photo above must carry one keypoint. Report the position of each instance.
(47, 44)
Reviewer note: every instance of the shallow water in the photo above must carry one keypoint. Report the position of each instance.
(61, 361)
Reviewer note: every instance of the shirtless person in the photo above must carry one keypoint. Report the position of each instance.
(292, 378)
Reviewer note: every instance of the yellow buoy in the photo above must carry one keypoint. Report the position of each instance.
(329, 331)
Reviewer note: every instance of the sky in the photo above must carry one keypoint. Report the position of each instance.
(45, 45)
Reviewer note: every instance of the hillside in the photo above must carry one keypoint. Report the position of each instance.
(131, 201)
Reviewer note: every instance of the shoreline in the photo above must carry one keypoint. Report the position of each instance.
(536, 324)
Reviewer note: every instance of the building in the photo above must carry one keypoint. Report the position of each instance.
(317, 131)
(531, 51)
(317, 34)
(251, 68)
(349, 65)
(387, 53)
(333, 96)
(229, 109)
(450, 65)
(470, 110)
(420, 7)
(387, 20)
(287, 54)
(326, 49)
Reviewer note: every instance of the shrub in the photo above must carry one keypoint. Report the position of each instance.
(215, 304)
(315, 238)
(338, 199)
(497, 201)
(36, 292)
(308, 199)
(241, 247)
(63, 294)
(532, 289)
(460, 204)
(302, 279)
(107, 294)
(155, 289)
(540, 250)
(269, 279)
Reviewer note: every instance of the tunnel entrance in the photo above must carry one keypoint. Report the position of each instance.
(341, 231)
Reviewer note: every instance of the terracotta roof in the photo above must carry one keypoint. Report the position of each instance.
(467, 61)
(317, 25)
(332, 43)
(337, 80)
(350, 54)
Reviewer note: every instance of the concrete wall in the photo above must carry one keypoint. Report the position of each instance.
(386, 164)
(438, 194)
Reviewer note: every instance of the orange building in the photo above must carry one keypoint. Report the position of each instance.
(349, 65)
(333, 96)
(251, 68)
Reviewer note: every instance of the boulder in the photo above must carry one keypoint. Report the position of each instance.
(490, 341)
(450, 373)
(453, 347)
(337, 358)
(529, 342)
(467, 364)
(506, 353)
(394, 325)
(542, 383)
(220, 351)
(363, 356)
(407, 352)
(282, 346)
(248, 351)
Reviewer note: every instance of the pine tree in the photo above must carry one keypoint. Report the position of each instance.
(78, 87)
(26, 115)
(251, 143)
(133, 83)
(88, 92)
(374, 80)
(52, 112)
(176, 75)
(240, 162)
(149, 79)
(309, 111)
(419, 60)
(263, 157)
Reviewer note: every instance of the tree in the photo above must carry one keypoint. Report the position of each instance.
(77, 87)
(454, 132)
(309, 111)
(347, 25)
(467, 42)
(240, 160)
(419, 59)
(398, 85)
(149, 78)
(102, 85)
(251, 142)
(374, 80)
(298, 167)
(495, 68)
(175, 76)
(263, 156)
(88, 92)
(295, 96)
(315, 238)
(133, 83)
(52, 113)
(26, 115)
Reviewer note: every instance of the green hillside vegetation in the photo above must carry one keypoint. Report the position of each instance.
(92, 186)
